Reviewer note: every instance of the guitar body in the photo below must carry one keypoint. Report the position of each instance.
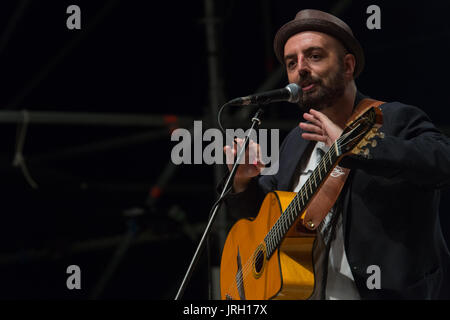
(245, 271)
(270, 257)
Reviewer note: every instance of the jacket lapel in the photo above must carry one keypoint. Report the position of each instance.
(292, 153)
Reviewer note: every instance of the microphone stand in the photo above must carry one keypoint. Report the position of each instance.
(255, 123)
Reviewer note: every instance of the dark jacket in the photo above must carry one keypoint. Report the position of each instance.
(390, 204)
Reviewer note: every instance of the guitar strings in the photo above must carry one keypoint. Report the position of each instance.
(244, 272)
(275, 232)
(285, 217)
(271, 234)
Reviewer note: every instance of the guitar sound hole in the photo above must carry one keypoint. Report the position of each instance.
(259, 261)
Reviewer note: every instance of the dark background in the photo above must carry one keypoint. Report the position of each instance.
(150, 58)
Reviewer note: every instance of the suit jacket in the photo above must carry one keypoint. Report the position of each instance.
(390, 204)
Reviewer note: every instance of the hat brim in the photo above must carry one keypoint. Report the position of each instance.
(296, 26)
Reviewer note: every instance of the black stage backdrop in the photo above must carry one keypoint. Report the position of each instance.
(98, 189)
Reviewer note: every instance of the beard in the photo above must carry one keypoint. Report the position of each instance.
(323, 96)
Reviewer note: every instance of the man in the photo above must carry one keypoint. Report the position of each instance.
(386, 216)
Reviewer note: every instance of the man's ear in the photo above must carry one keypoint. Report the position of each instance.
(349, 65)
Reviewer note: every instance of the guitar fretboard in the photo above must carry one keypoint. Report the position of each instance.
(278, 231)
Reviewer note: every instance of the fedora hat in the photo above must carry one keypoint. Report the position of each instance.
(315, 20)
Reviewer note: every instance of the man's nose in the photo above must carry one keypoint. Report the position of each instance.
(303, 73)
(303, 67)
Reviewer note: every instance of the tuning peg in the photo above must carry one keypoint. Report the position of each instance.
(374, 143)
(357, 150)
(366, 152)
(380, 134)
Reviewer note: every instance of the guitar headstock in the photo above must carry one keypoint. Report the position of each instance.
(361, 132)
(367, 140)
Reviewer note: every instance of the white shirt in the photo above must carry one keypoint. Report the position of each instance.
(340, 281)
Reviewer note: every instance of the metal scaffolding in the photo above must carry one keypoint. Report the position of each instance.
(157, 127)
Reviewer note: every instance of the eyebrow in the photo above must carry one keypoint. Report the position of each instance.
(307, 51)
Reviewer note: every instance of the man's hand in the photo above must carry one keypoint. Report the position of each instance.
(320, 128)
(246, 171)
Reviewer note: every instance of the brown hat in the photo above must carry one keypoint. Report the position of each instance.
(315, 20)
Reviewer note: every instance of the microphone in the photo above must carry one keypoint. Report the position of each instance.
(290, 93)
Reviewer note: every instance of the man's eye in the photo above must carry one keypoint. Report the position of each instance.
(291, 64)
(315, 56)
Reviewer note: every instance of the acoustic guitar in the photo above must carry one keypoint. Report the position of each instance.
(270, 256)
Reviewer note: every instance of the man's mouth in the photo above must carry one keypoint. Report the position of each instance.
(308, 87)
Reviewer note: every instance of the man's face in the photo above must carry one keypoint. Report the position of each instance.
(314, 61)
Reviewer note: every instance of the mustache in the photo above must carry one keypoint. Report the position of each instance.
(308, 80)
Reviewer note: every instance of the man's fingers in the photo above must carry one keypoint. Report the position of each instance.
(311, 118)
(252, 154)
(251, 165)
(317, 118)
(314, 137)
(229, 155)
(319, 115)
(229, 151)
(311, 128)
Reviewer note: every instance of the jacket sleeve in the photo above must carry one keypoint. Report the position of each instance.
(245, 204)
(412, 150)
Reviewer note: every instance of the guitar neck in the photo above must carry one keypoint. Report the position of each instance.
(300, 202)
